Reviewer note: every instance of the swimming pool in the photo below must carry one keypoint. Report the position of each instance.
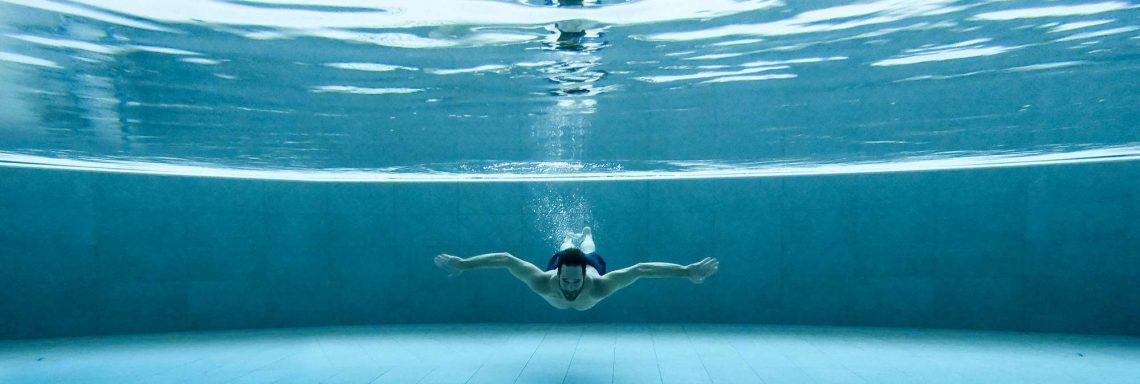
(202, 166)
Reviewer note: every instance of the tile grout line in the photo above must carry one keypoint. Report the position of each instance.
(577, 345)
(656, 358)
(613, 355)
(474, 373)
(693, 347)
(746, 362)
(528, 359)
(381, 375)
(433, 369)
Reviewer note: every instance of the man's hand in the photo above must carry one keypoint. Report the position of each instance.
(698, 271)
(449, 263)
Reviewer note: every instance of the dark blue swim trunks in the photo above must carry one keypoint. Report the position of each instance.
(592, 258)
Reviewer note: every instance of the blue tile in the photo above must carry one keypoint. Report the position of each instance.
(720, 359)
(764, 192)
(44, 190)
(634, 358)
(433, 197)
(894, 301)
(404, 374)
(361, 230)
(676, 197)
(754, 277)
(361, 198)
(220, 229)
(761, 230)
(607, 199)
(980, 302)
(226, 304)
(300, 232)
(985, 187)
(138, 192)
(593, 359)
(817, 299)
(489, 232)
(776, 375)
(423, 227)
(834, 375)
(225, 195)
(451, 372)
(298, 303)
(820, 226)
(124, 227)
(551, 360)
(981, 221)
(1082, 259)
(299, 265)
(821, 193)
(490, 353)
(825, 259)
(1104, 183)
(1130, 309)
(213, 262)
(1073, 304)
(37, 226)
(496, 372)
(978, 257)
(492, 198)
(1095, 221)
(48, 262)
(145, 262)
(141, 307)
(49, 309)
(880, 257)
(895, 224)
(886, 191)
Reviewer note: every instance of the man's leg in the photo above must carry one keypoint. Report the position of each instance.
(587, 245)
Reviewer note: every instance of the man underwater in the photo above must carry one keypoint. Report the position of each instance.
(576, 277)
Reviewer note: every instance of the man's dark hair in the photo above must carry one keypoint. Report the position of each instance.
(572, 257)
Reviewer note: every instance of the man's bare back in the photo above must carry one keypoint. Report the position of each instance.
(576, 282)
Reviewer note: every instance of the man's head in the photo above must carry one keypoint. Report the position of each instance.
(571, 272)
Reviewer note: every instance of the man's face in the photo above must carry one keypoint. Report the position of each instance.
(570, 280)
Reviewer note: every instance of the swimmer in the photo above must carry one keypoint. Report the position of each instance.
(576, 277)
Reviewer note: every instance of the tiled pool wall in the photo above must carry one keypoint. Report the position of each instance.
(1044, 248)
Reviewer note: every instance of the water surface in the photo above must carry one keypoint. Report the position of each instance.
(538, 91)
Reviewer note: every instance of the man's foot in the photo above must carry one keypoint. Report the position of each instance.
(567, 242)
(570, 237)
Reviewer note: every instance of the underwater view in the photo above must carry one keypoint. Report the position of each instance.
(536, 191)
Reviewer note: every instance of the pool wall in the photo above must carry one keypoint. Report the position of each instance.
(1046, 248)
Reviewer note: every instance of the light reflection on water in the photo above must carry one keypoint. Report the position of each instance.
(544, 172)
(404, 90)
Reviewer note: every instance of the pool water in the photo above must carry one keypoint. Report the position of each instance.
(254, 190)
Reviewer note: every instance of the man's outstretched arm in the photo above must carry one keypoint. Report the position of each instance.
(695, 272)
(522, 270)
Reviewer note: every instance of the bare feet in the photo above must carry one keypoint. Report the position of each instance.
(585, 238)
(578, 236)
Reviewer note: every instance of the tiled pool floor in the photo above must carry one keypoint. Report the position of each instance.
(588, 353)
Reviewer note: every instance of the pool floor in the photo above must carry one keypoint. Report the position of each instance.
(580, 353)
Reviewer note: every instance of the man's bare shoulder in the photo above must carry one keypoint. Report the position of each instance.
(549, 282)
(606, 284)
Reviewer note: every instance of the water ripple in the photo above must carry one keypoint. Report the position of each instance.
(480, 172)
